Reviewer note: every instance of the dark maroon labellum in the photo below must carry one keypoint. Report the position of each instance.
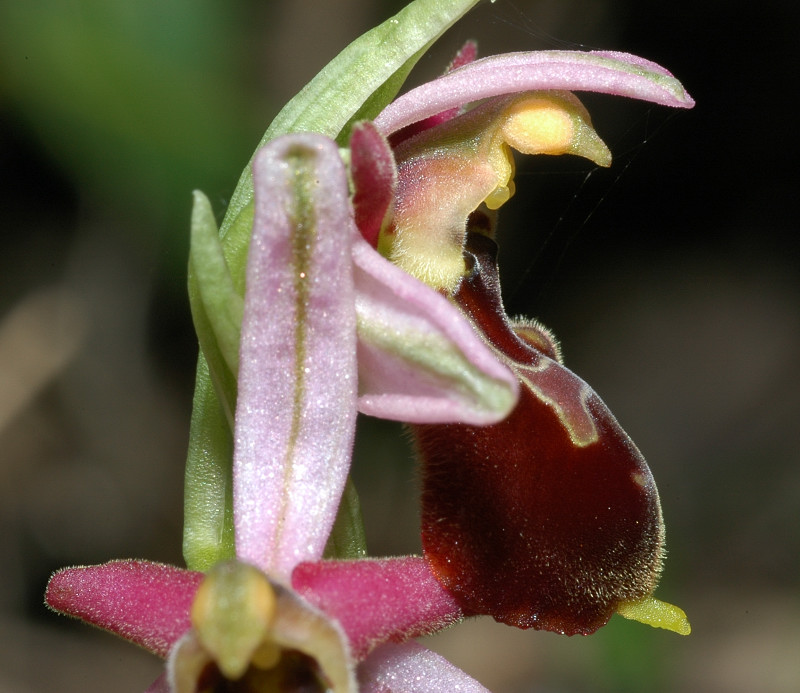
(551, 518)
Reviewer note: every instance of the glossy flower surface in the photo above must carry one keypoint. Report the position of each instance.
(557, 529)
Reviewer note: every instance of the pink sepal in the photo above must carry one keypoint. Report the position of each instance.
(412, 668)
(375, 600)
(295, 414)
(606, 72)
(146, 603)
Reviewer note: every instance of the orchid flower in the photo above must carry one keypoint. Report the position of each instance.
(330, 290)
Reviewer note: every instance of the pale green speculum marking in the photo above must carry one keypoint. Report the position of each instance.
(579, 424)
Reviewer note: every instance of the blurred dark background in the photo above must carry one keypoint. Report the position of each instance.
(672, 280)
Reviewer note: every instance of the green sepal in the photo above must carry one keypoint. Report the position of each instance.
(217, 314)
(216, 304)
(380, 98)
(236, 242)
(211, 289)
(208, 535)
(347, 539)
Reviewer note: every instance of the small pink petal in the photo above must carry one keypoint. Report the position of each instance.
(411, 668)
(295, 416)
(406, 332)
(143, 602)
(606, 72)
(374, 174)
(160, 685)
(467, 54)
(376, 600)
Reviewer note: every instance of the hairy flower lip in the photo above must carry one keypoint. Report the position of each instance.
(573, 506)
(608, 72)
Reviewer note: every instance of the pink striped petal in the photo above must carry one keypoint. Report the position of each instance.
(376, 600)
(411, 668)
(146, 603)
(606, 72)
(419, 358)
(295, 415)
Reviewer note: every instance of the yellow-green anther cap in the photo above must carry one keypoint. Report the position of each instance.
(448, 171)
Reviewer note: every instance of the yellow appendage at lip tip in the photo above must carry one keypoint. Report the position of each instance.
(656, 613)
